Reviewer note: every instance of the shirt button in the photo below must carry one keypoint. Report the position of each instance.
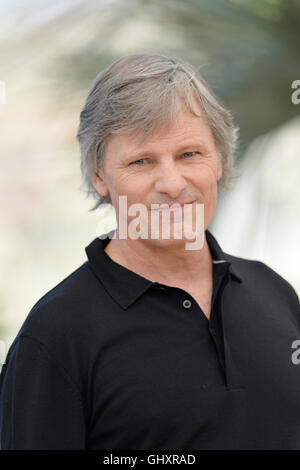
(187, 303)
(213, 332)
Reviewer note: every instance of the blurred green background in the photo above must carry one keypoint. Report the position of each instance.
(50, 51)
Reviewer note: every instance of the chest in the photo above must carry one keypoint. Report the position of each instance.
(157, 381)
(204, 302)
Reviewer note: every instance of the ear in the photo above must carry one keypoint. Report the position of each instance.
(219, 169)
(100, 184)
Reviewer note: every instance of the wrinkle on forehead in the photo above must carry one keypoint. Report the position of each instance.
(183, 128)
(162, 133)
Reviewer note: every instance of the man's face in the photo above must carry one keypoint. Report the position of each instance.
(178, 164)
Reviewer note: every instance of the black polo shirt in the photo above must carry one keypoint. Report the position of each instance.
(110, 360)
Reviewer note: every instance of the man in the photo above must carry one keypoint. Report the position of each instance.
(148, 344)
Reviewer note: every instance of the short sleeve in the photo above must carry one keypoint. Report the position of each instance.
(40, 407)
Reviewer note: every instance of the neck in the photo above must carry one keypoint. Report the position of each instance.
(170, 264)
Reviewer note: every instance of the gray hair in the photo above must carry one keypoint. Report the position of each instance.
(140, 92)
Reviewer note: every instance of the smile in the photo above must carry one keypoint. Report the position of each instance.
(178, 206)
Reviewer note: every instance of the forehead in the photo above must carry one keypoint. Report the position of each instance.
(186, 128)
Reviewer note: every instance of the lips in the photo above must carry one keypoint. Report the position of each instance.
(183, 203)
(174, 207)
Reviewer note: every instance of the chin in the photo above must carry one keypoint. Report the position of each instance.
(168, 242)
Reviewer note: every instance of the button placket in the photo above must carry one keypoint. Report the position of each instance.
(215, 328)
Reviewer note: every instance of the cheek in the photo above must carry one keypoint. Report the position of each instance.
(209, 191)
(118, 183)
(206, 180)
(134, 187)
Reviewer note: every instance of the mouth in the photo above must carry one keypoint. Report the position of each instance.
(186, 203)
(176, 206)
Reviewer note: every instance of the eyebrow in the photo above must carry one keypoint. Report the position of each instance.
(182, 148)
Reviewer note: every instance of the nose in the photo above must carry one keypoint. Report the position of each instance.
(170, 181)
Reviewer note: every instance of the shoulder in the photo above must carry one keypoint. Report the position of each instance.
(62, 312)
(61, 324)
(263, 278)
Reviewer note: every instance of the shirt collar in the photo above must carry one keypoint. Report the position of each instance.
(124, 285)
(219, 256)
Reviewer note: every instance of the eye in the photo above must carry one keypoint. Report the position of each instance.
(189, 154)
(138, 162)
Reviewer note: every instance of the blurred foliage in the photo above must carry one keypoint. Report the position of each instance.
(246, 50)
